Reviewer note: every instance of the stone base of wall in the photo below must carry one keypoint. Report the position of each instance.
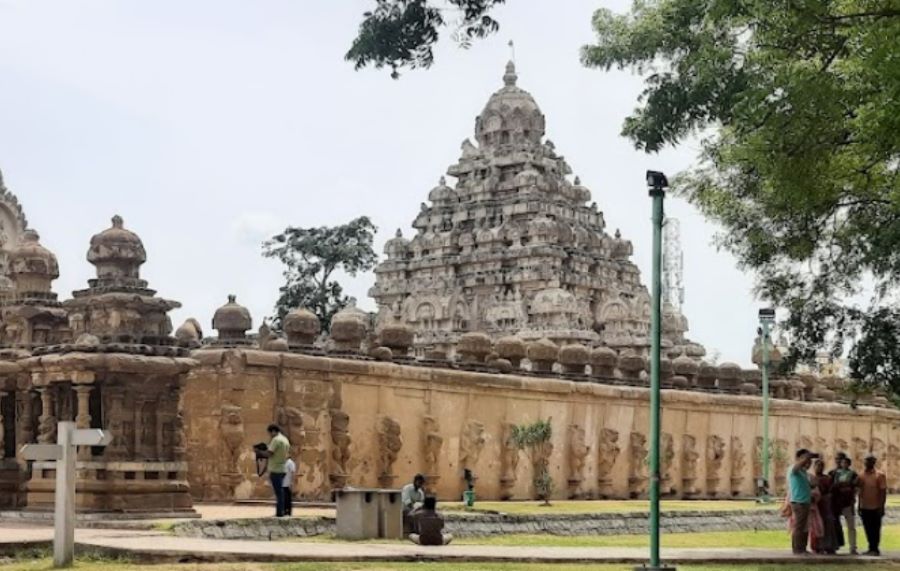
(485, 525)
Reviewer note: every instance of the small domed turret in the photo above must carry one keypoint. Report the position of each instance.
(32, 267)
(117, 253)
(232, 320)
(441, 192)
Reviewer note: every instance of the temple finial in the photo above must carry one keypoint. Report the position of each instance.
(510, 77)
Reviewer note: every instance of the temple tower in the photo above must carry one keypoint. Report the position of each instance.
(513, 247)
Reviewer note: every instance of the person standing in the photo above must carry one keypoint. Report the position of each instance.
(279, 448)
(800, 498)
(872, 499)
(290, 474)
(846, 483)
(826, 542)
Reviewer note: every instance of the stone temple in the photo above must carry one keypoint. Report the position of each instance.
(515, 247)
(511, 304)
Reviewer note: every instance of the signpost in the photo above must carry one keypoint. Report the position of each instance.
(64, 453)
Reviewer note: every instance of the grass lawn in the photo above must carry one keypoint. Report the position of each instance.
(618, 506)
(776, 539)
(104, 565)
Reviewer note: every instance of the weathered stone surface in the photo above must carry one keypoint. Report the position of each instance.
(301, 326)
(474, 347)
(397, 337)
(574, 358)
(542, 354)
(511, 348)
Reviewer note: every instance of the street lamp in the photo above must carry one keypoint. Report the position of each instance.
(766, 319)
(657, 183)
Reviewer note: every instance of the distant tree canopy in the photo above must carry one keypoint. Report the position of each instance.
(799, 104)
(402, 33)
(310, 256)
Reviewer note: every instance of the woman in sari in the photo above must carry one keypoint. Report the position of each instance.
(824, 540)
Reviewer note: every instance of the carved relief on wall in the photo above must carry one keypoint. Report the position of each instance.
(389, 444)
(578, 451)
(804, 442)
(340, 448)
(667, 459)
(114, 411)
(607, 453)
(432, 442)
(781, 459)
(737, 464)
(892, 464)
(858, 450)
(637, 464)
(715, 455)
(689, 458)
(509, 461)
(471, 443)
(824, 449)
(290, 419)
(231, 427)
(877, 448)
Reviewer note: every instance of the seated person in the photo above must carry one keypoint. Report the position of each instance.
(411, 497)
(429, 525)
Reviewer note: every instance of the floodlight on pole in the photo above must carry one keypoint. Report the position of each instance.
(657, 183)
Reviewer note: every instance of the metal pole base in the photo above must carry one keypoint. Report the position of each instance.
(651, 568)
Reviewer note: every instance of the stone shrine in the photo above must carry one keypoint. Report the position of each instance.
(514, 247)
(512, 304)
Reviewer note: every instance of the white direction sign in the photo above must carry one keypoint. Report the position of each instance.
(41, 452)
(64, 452)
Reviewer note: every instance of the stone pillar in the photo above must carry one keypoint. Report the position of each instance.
(24, 419)
(83, 416)
(115, 423)
(47, 420)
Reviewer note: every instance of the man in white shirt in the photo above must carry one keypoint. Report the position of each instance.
(290, 472)
(412, 496)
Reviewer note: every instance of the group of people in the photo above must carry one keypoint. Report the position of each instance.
(818, 501)
(422, 524)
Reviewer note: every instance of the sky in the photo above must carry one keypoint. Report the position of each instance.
(211, 125)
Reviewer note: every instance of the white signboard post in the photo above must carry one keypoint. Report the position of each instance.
(63, 453)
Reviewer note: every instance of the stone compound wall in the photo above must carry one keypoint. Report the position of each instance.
(375, 424)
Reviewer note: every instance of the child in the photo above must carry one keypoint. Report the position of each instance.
(290, 471)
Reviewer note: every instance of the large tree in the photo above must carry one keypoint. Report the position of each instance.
(310, 257)
(402, 33)
(798, 105)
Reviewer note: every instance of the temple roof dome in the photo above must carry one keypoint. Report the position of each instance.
(117, 250)
(232, 320)
(30, 257)
(510, 114)
(441, 192)
(396, 246)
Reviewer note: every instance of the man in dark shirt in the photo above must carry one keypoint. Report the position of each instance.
(429, 525)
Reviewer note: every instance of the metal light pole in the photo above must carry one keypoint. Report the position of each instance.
(658, 183)
(766, 319)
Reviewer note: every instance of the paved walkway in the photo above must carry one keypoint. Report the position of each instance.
(160, 547)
